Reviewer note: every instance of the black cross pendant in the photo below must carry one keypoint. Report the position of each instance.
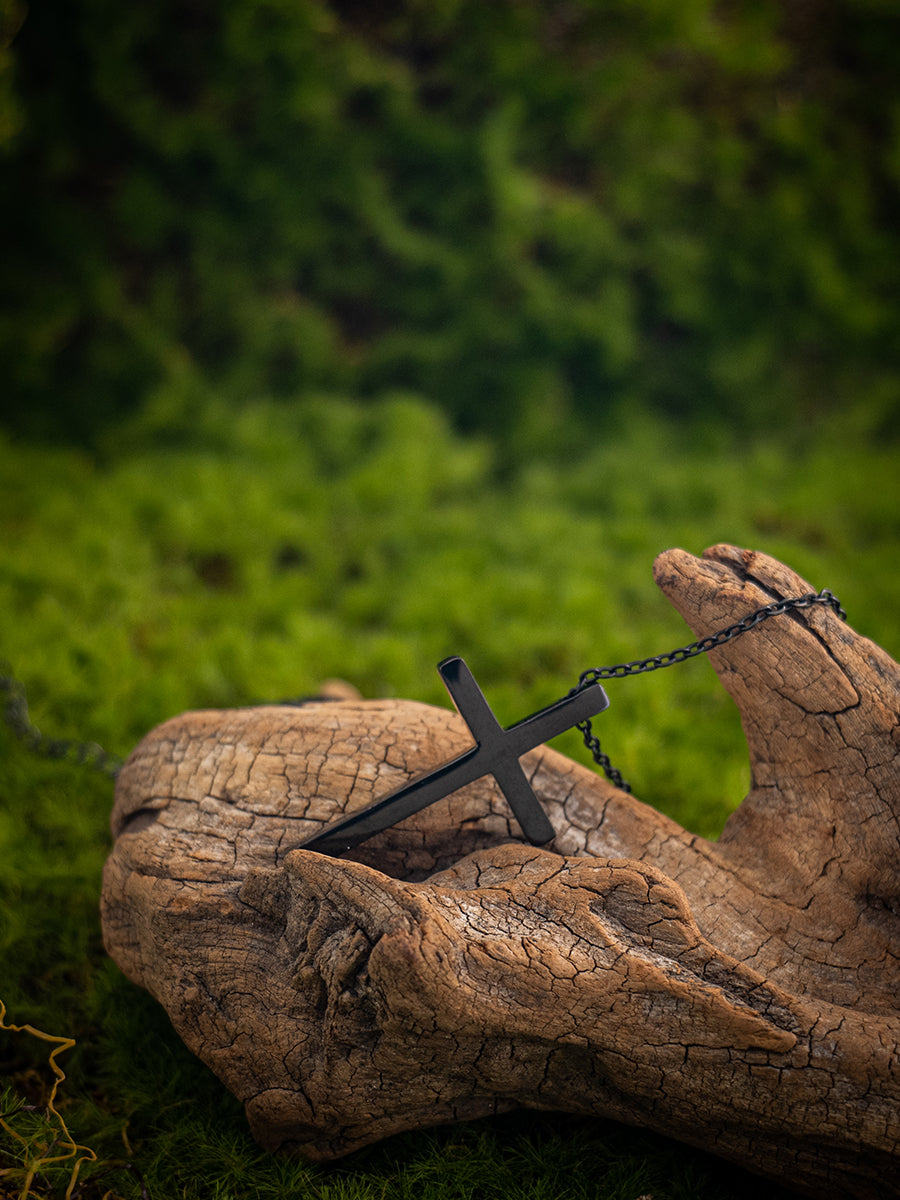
(496, 752)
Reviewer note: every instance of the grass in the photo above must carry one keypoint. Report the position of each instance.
(274, 548)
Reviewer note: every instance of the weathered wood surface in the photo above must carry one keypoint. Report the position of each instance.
(743, 996)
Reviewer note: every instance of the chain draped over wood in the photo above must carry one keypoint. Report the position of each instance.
(641, 666)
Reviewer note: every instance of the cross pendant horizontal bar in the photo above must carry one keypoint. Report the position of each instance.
(496, 752)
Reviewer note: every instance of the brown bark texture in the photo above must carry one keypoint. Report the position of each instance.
(739, 995)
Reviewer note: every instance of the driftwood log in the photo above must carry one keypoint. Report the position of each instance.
(742, 996)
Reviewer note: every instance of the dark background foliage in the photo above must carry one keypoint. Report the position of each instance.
(535, 213)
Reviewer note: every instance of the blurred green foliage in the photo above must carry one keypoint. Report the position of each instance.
(534, 213)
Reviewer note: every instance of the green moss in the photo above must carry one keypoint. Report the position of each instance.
(270, 550)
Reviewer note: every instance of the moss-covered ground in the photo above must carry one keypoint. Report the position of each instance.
(275, 548)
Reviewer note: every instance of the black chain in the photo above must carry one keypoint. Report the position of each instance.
(89, 754)
(15, 714)
(641, 666)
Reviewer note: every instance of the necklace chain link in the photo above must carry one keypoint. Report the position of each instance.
(16, 716)
(642, 666)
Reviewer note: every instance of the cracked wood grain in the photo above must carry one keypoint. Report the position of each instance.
(740, 995)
